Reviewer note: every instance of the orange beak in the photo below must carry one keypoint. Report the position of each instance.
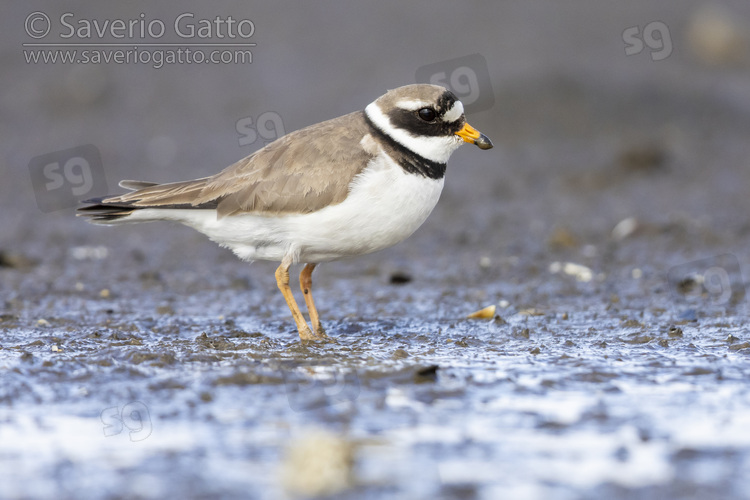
(474, 136)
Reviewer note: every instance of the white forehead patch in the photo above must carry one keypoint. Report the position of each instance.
(454, 113)
(413, 104)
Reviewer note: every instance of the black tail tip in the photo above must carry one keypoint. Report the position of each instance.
(97, 211)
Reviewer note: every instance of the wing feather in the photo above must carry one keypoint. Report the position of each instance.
(301, 172)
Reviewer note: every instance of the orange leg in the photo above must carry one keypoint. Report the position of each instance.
(282, 280)
(305, 283)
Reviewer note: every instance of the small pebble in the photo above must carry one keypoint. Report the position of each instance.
(400, 278)
(624, 228)
(717, 37)
(318, 464)
(579, 271)
(486, 313)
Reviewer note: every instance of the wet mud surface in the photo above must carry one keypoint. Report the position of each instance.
(608, 228)
(583, 396)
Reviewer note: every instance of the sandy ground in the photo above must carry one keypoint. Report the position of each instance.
(608, 227)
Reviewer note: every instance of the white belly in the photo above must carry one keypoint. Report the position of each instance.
(385, 205)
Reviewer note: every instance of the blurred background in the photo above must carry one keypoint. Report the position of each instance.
(582, 96)
(621, 145)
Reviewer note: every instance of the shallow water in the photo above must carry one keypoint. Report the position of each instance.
(588, 397)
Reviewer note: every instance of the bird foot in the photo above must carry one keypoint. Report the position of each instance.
(307, 334)
(320, 332)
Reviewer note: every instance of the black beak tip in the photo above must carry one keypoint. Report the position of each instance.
(483, 142)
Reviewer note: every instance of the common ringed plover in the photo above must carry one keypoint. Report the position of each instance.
(347, 186)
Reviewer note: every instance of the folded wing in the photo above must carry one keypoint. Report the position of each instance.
(301, 172)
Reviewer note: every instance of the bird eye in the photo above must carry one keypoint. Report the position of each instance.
(427, 114)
